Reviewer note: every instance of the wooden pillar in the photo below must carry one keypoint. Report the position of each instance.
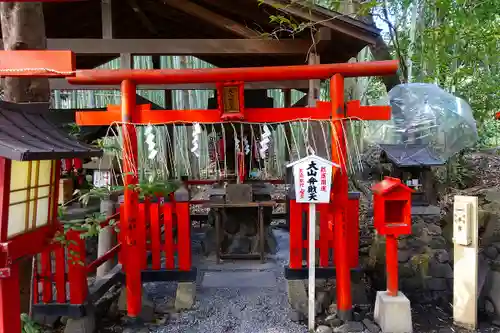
(133, 262)
(341, 188)
(106, 19)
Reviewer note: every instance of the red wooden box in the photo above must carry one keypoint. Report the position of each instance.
(392, 207)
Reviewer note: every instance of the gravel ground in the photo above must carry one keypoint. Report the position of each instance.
(240, 309)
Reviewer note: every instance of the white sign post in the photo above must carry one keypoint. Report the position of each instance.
(312, 179)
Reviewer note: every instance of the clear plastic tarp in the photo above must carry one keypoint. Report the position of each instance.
(424, 114)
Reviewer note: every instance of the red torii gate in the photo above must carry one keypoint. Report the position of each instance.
(129, 113)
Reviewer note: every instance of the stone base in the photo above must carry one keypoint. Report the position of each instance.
(148, 307)
(393, 314)
(185, 295)
(86, 324)
(297, 295)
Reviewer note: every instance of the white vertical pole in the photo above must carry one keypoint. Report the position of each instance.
(312, 264)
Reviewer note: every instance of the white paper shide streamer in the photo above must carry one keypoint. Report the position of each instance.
(246, 146)
(195, 149)
(264, 141)
(237, 144)
(150, 141)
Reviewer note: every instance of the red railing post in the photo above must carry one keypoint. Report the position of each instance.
(296, 244)
(353, 229)
(10, 301)
(183, 229)
(77, 272)
(155, 235)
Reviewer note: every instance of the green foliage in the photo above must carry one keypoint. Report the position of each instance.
(92, 224)
(28, 325)
(454, 44)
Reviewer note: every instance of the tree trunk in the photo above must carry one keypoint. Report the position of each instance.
(380, 51)
(23, 28)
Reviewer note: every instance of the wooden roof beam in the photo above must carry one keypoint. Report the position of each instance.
(213, 18)
(143, 17)
(194, 47)
(106, 19)
(336, 21)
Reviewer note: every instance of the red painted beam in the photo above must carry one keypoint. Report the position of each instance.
(35, 63)
(145, 116)
(247, 74)
(373, 112)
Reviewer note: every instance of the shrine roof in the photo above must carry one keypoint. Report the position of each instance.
(411, 155)
(212, 19)
(27, 134)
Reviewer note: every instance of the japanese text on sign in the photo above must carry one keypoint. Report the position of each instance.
(313, 177)
(312, 172)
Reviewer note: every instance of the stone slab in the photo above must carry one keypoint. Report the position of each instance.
(185, 296)
(85, 324)
(393, 313)
(297, 296)
(250, 279)
(246, 265)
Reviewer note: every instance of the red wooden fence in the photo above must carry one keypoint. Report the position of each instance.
(299, 241)
(65, 271)
(175, 241)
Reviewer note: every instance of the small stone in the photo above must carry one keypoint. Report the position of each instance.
(322, 300)
(491, 252)
(161, 321)
(332, 320)
(440, 270)
(175, 316)
(371, 326)
(357, 316)
(446, 330)
(489, 307)
(434, 229)
(165, 307)
(184, 297)
(350, 327)
(296, 316)
(404, 256)
(332, 309)
(136, 330)
(320, 283)
(437, 242)
(442, 256)
(323, 329)
(437, 284)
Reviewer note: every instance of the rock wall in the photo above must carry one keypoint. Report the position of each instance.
(425, 265)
